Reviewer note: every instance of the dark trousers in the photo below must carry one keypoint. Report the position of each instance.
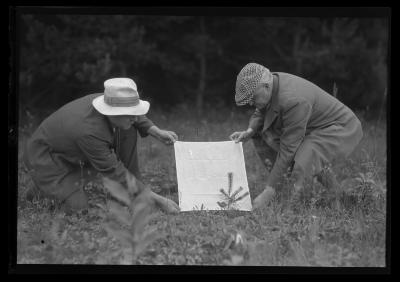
(126, 150)
(268, 156)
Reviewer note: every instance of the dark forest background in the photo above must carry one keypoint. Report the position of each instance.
(194, 60)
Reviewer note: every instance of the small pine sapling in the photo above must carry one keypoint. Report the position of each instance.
(230, 199)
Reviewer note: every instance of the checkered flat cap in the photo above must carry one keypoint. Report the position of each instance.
(247, 81)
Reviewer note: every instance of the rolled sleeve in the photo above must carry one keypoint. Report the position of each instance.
(294, 119)
(143, 124)
(100, 155)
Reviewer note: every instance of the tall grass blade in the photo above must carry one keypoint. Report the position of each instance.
(335, 90)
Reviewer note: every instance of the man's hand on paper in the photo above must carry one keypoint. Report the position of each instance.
(241, 136)
(165, 136)
(168, 137)
(264, 198)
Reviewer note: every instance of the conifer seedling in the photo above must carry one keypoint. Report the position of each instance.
(230, 199)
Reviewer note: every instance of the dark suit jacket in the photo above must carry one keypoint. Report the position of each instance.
(300, 109)
(74, 135)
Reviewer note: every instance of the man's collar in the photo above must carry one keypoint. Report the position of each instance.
(273, 110)
(275, 90)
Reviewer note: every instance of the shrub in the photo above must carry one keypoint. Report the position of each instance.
(127, 218)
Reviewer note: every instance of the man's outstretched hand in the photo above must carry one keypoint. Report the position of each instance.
(168, 137)
(165, 204)
(165, 136)
(241, 136)
(168, 206)
(264, 198)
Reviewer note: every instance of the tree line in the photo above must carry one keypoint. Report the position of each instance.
(195, 59)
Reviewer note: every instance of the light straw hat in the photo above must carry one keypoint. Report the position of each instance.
(120, 98)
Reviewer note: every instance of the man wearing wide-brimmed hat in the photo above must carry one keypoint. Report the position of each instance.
(95, 133)
(296, 125)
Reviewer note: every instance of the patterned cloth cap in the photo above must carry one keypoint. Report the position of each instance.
(247, 81)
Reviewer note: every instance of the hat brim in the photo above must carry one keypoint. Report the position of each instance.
(141, 109)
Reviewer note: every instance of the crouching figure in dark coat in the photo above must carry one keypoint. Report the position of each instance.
(295, 125)
(93, 134)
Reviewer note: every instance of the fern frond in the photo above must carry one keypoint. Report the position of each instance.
(120, 213)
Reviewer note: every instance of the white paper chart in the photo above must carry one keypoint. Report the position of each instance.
(204, 168)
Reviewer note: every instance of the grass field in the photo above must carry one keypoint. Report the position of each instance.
(321, 232)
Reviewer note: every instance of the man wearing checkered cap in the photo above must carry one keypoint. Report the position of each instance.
(295, 125)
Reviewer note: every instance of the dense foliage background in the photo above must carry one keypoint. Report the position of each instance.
(194, 60)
